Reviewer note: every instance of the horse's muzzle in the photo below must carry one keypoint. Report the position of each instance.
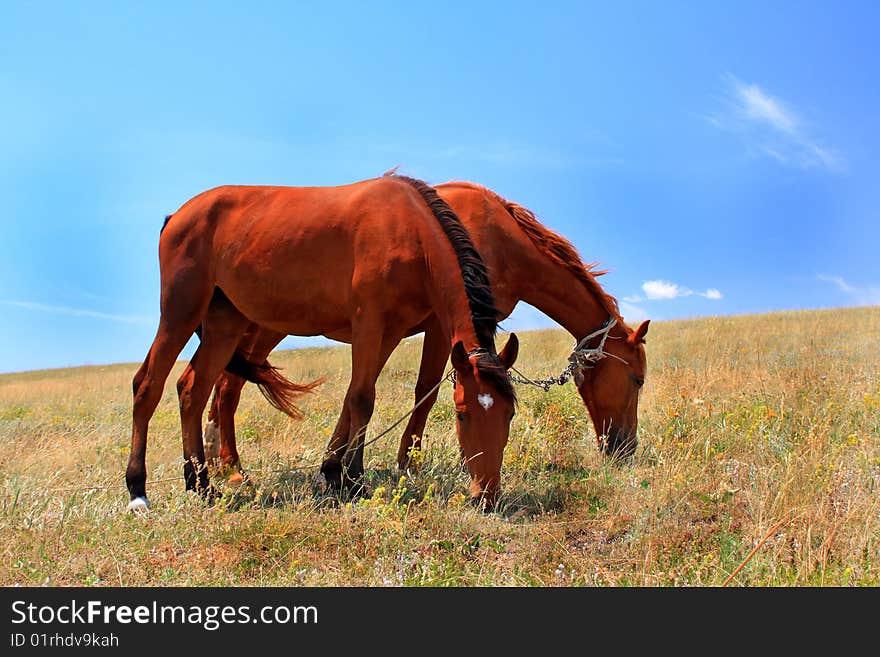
(484, 497)
(619, 443)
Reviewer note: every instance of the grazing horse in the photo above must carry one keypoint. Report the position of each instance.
(361, 263)
(527, 262)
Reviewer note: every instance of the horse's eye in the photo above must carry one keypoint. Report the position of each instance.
(460, 415)
(639, 381)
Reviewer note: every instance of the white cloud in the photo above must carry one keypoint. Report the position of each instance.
(771, 127)
(758, 106)
(658, 290)
(78, 312)
(661, 290)
(863, 296)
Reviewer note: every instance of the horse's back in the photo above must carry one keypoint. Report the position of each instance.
(281, 212)
(260, 243)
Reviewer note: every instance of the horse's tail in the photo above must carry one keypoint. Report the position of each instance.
(278, 391)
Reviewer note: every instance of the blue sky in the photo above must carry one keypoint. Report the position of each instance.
(718, 158)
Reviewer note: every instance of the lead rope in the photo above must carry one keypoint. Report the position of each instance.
(446, 377)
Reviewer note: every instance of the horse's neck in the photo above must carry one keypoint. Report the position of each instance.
(449, 301)
(460, 327)
(559, 294)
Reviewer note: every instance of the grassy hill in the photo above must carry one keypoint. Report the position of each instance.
(756, 432)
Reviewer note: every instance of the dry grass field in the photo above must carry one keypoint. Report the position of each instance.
(759, 462)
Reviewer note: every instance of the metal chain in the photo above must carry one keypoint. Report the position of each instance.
(581, 358)
(544, 384)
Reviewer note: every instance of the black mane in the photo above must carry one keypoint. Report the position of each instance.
(484, 314)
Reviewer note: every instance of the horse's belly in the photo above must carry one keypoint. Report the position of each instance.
(293, 310)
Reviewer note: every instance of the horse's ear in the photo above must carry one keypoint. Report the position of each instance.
(639, 334)
(460, 359)
(509, 352)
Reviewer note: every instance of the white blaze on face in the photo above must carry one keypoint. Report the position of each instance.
(486, 401)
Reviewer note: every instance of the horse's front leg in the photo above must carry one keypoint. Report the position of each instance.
(344, 459)
(331, 468)
(435, 353)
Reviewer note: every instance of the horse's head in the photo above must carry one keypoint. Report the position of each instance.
(484, 405)
(610, 388)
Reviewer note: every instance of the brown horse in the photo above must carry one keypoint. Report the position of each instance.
(526, 262)
(361, 263)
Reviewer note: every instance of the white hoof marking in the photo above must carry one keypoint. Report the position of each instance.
(211, 440)
(139, 505)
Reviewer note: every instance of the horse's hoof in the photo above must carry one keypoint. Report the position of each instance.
(235, 477)
(331, 469)
(139, 505)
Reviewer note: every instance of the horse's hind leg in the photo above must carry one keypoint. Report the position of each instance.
(186, 293)
(331, 467)
(227, 393)
(148, 385)
(222, 329)
(229, 385)
(220, 444)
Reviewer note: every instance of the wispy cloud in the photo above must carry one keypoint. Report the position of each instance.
(78, 312)
(760, 107)
(769, 126)
(502, 153)
(658, 290)
(863, 296)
